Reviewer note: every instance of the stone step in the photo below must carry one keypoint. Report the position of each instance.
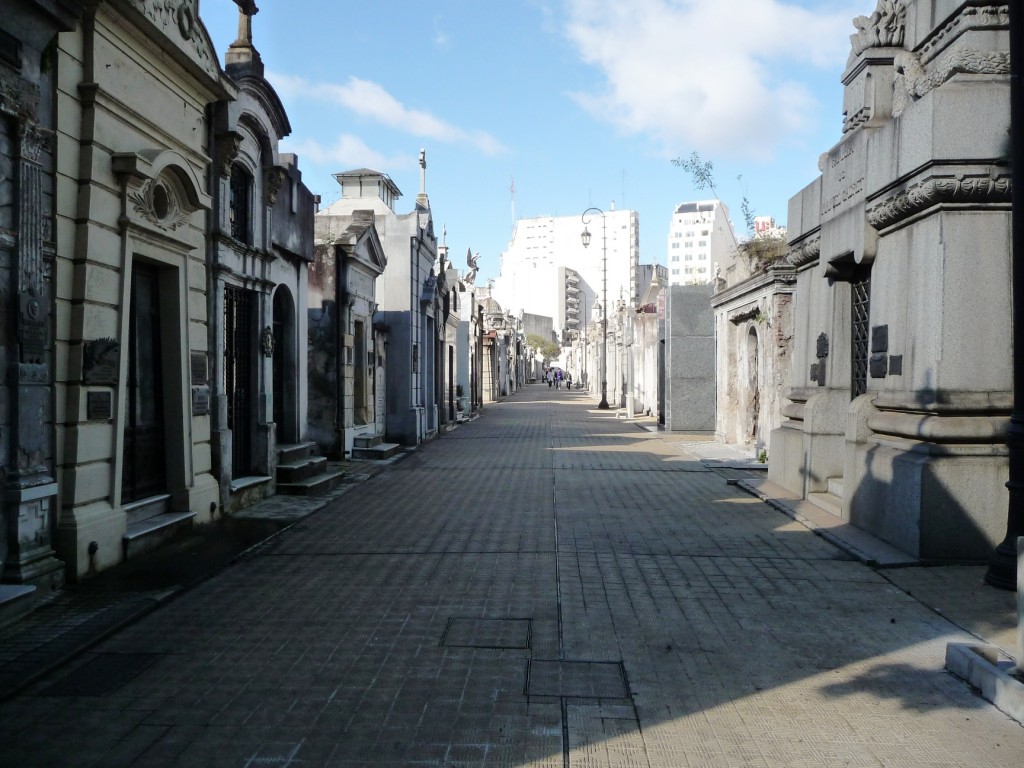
(15, 601)
(378, 452)
(826, 501)
(294, 471)
(139, 511)
(367, 441)
(147, 535)
(835, 486)
(317, 485)
(289, 453)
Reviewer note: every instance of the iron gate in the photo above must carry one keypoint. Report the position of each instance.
(860, 331)
(239, 374)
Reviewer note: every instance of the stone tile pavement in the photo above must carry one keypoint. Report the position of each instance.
(545, 586)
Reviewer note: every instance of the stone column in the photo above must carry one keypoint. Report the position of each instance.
(31, 489)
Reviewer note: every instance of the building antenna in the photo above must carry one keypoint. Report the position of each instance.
(512, 193)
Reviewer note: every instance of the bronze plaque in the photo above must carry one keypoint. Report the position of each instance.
(100, 361)
(99, 406)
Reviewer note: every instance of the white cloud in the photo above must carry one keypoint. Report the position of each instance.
(709, 75)
(347, 151)
(370, 100)
(441, 39)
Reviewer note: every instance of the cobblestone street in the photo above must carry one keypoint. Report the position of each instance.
(547, 585)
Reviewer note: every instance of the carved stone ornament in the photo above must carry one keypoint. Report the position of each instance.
(971, 17)
(157, 201)
(962, 188)
(274, 178)
(34, 140)
(228, 145)
(885, 27)
(267, 341)
(179, 21)
(805, 252)
(913, 82)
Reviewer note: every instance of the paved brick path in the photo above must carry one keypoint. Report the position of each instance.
(545, 586)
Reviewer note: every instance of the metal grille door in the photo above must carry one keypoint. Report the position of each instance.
(239, 375)
(860, 332)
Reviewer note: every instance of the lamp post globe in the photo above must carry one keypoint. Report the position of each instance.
(585, 236)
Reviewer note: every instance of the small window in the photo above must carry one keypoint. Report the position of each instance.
(240, 206)
(161, 202)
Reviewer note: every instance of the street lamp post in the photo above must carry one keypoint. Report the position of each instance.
(604, 300)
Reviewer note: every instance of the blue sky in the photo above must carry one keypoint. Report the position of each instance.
(581, 102)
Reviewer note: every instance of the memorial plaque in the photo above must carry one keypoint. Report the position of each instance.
(896, 365)
(878, 366)
(880, 338)
(100, 361)
(200, 369)
(200, 401)
(99, 406)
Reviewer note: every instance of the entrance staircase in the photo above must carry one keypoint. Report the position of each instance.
(374, 448)
(301, 473)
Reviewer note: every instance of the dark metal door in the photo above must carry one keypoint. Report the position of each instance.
(239, 375)
(860, 331)
(144, 460)
(280, 368)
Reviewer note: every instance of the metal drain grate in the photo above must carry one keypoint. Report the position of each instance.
(487, 633)
(576, 679)
(102, 675)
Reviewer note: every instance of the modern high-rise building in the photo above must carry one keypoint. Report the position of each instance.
(699, 238)
(547, 270)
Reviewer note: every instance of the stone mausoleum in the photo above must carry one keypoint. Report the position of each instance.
(901, 378)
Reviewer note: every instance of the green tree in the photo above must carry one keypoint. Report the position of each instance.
(548, 349)
(760, 251)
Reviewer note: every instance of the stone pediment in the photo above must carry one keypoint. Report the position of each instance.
(179, 24)
(162, 189)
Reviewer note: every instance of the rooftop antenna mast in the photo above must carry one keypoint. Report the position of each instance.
(512, 193)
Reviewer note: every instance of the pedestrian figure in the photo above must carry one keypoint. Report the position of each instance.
(568, 381)
(558, 379)
(549, 376)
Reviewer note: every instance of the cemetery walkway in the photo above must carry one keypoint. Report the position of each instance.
(548, 585)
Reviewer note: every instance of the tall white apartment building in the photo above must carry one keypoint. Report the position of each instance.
(699, 237)
(547, 271)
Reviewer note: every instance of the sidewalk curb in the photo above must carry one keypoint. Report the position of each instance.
(980, 666)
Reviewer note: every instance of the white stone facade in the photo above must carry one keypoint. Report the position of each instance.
(131, 276)
(901, 378)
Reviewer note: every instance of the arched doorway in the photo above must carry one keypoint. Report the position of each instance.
(285, 367)
(753, 387)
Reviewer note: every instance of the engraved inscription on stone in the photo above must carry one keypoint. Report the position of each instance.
(200, 369)
(843, 177)
(200, 401)
(100, 359)
(99, 406)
